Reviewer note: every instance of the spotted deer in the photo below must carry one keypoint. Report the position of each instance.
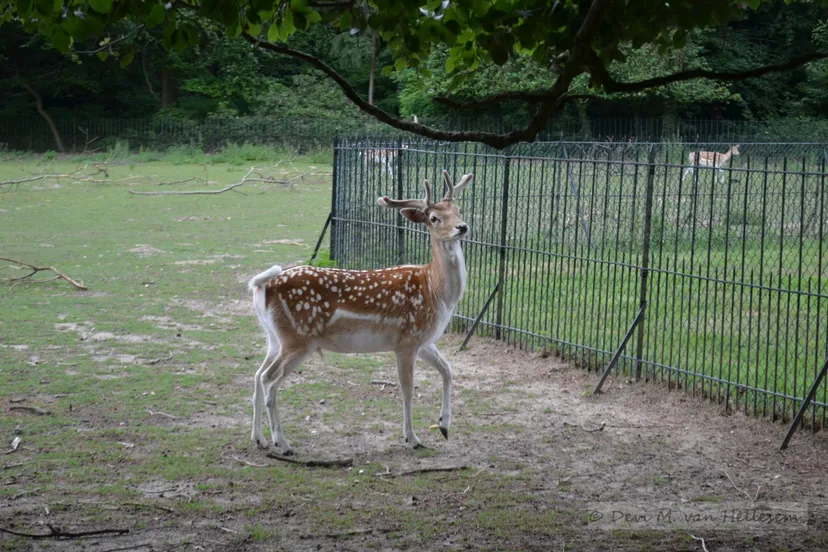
(403, 309)
(386, 158)
(710, 159)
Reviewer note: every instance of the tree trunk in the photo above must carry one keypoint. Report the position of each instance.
(373, 68)
(583, 117)
(169, 89)
(46, 117)
(146, 74)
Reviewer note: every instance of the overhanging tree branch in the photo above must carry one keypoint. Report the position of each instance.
(498, 141)
(610, 85)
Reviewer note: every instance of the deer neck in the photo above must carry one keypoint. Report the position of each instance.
(447, 271)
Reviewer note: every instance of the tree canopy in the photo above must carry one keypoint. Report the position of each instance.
(561, 51)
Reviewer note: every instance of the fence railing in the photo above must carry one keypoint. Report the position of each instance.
(78, 135)
(730, 267)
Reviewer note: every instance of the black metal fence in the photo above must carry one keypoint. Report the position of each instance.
(730, 267)
(78, 135)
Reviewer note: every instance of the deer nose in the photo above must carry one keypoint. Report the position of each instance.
(462, 228)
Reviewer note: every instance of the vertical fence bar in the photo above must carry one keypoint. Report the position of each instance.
(334, 193)
(400, 194)
(645, 258)
(501, 273)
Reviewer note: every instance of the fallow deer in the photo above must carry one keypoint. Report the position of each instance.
(403, 309)
(386, 158)
(710, 159)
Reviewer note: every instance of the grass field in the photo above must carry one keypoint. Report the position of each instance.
(146, 378)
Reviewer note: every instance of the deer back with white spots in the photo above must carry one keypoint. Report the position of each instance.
(403, 309)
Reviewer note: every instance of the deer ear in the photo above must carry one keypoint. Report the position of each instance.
(414, 215)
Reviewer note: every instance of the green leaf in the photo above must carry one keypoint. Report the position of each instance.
(313, 17)
(156, 16)
(400, 64)
(166, 38)
(61, 39)
(190, 33)
(45, 7)
(23, 7)
(273, 34)
(101, 6)
(299, 6)
(229, 13)
(345, 21)
(286, 27)
(127, 59)
(102, 55)
(233, 30)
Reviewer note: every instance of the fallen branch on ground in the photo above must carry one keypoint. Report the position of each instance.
(159, 413)
(338, 463)
(78, 175)
(33, 409)
(157, 360)
(58, 533)
(35, 269)
(245, 462)
(142, 505)
(253, 175)
(425, 470)
(751, 498)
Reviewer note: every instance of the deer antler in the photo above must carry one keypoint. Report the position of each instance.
(421, 204)
(451, 189)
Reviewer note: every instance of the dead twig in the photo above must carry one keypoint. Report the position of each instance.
(12, 466)
(245, 462)
(157, 360)
(383, 383)
(228, 530)
(33, 409)
(751, 498)
(425, 470)
(600, 428)
(20, 265)
(58, 533)
(143, 505)
(24, 493)
(164, 414)
(703, 544)
(338, 463)
(130, 547)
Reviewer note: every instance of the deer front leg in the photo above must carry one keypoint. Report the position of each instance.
(431, 355)
(405, 370)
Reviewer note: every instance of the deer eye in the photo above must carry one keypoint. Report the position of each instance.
(434, 220)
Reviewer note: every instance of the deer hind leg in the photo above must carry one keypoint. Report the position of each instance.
(431, 355)
(405, 369)
(688, 171)
(271, 378)
(257, 434)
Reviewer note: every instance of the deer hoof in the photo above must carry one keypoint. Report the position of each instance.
(444, 431)
(419, 446)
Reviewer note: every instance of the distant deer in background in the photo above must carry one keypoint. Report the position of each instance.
(710, 159)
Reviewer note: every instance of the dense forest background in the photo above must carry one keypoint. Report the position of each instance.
(225, 78)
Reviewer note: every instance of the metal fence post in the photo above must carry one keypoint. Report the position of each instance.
(334, 197)
(645, 259)
(400, 194)
(501, 273)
